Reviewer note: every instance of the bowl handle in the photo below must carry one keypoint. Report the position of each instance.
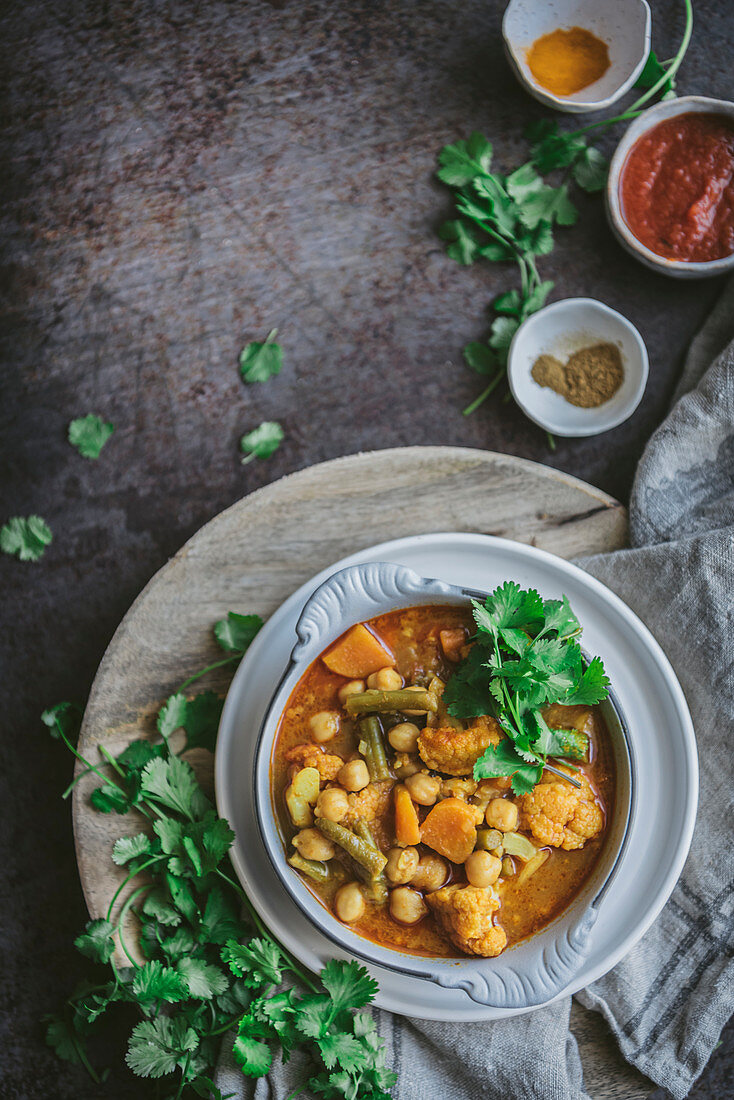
(498, 985)
(360, 592)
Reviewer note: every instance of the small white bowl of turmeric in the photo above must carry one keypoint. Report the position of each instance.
(577, 367)
(577, 55)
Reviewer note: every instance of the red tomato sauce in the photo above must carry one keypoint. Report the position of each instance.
(677, 188)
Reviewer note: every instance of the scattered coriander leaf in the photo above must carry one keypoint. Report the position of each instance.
(172, 714)
(262, 441)
(652, 71)
(591, 688)
(257, 962)
(26, 537)
(89, 435)
(63, 718)
(202, 720)
(236, 632)
(64, 1039)
(252, 1055)
(348, 983)
(110, 799)
(261, 361)
(464, 160)
(463, 241)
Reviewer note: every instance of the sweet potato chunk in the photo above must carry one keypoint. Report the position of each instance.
(358, 653)
(450, 830)
(407, 829)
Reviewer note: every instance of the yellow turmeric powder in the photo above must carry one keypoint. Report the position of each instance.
(565, 61)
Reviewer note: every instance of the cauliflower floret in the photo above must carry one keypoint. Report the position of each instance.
(465, 915)
(561, 815)
(455, 752)
(312, 756)
(372, 804)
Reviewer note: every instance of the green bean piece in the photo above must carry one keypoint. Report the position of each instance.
(487, 839)
(315, 870)
(375, 886)
(362, 853)
(379, 702)
(370, 732)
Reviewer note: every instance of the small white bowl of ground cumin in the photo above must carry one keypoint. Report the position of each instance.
(577, 367)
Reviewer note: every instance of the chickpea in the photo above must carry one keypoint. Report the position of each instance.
(332, 804)
(387, 679)
(324, 725)
(349, 902)
(482, 869)
(404, 737)
(423, 788)
(502, 814)
(311, 844)
(502, 782)
(354, 776)
(402, 863)
(431, 873)
(407, 905)
(406, 765)
(354, 687)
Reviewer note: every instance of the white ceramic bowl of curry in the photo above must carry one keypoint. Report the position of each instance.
(529, 972)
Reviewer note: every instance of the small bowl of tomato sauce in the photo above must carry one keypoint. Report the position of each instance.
(670, 194)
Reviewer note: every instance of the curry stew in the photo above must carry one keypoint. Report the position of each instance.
(383, 819)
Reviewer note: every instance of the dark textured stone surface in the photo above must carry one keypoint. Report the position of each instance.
(180, 178)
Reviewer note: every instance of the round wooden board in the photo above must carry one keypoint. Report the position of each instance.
(252, 556)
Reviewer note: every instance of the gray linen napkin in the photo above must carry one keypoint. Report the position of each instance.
(667, 1001)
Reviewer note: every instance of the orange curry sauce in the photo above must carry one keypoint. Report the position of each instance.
(413, 636)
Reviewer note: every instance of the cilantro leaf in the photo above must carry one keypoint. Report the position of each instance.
(63, 718)
(252, 1055)
(202, 979)
(560, 618)
(509, 606)
(348, 983)
(96, 942)
(591, 688)
(467, 694)
(590, 170)
(480, 358)
(27, 538)
(256, 962)
(89, 435)
(464, 160)
(202, 720)
(652, 71)
(172, 714)
(155, 982)
(110, 799)
(261, 361)
(158, 907)
(262, 441)
(172, 783)
(342, 1049)
(464, 241)
(220, 921)
(504, 759)
(560, 742)
(236, 632)
(64, 1039)
(158, 1046)
(130, 847)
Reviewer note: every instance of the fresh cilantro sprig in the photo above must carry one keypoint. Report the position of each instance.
(511, 218)
(524, 658)
(26, 537)
(211, 966)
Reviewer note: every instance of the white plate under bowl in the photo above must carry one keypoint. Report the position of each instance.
(649, 694)
(561, 329)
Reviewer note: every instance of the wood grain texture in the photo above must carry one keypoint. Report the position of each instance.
(254, 554)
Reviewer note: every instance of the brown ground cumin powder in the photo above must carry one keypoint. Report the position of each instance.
(590, 377)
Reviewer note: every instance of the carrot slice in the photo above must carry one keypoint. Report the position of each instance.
(358, 653)
(407, 828)
(450, 830)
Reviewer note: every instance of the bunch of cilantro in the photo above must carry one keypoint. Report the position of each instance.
(524, 657)
(211, 967)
